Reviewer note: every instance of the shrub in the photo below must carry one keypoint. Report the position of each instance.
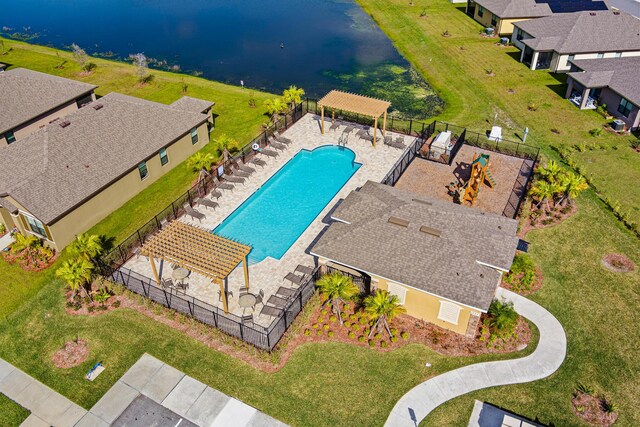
(330, 334)
(332, 318)
(372, 343)
(347, 324)
(595, 132)
(353, 317)
(384, 344)
(307, 332)
(69, 304)
(394, 331)
(315, 326)
(532, 106)
(363, 320)
(319, 332)
(378, 335)
(352, 335)
(320, 319)
(355, 327)
(404, 335)
(361, 338)
(345, 315)
(585, 389)
(608, 406)
(323, 311)
(326, 327)
(394, 339)
(91, 308)
(502, 318)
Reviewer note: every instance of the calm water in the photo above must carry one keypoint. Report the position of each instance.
(273, 218)
(327, 43)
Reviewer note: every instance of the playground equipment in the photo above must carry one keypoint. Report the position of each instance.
(479, 174)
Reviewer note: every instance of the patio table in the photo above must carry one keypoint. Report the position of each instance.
(247, 300)
(179, 274)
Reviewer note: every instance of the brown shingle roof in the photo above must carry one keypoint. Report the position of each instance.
(26, 94)
(621, 75)
(516, 8)
(195, 105)
(448, 266)
(57, 168)
(583, 32)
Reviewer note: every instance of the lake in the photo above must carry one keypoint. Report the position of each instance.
(318, 45)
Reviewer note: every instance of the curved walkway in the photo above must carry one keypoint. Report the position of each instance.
(421, 400)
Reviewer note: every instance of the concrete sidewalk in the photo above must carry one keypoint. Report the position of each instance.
(414, 406)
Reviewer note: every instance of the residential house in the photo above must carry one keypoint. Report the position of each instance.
(64, 178)
(196, 105)
(550, 43)
(611, 82)
(501, 14)
(29, 100)
(443, 261)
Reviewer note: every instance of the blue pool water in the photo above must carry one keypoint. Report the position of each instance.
(273, 218)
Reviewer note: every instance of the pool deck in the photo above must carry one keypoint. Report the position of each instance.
(269, 274)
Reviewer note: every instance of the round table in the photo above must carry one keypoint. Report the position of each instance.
(247, 300)
(180, 274)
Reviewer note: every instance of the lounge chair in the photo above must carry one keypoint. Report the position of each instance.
(215, 194)
(367, 137)
(348, 129)
(271, 311)
(334, 125)
(247, 169)
(294, 278)
(194, 214)
(277, 301)
(207, 203)
(242, 174)
(226, 186)
(234, 179)
(285, 292)
(281, 138)
(258, 162)
(307, 271)
(269, 153)
(275, 144)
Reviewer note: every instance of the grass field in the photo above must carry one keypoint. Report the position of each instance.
(235, 118)
(11, 414)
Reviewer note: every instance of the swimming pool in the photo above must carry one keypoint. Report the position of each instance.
(273, 218)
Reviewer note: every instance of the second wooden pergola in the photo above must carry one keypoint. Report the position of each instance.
(199, 251)
(359, 104)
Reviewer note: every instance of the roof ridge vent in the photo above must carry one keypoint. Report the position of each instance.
(97, 106)
(431, 231)
(64, 123)
(398, 221)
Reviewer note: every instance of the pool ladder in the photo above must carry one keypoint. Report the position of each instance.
(343, 140)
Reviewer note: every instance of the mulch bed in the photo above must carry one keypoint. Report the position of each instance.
(618, 263)
(72, 354)
(78, 308)
(549, 218)
(535, 286)
(591, 410)
(28, 263)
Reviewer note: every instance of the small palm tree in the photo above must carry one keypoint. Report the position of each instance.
(24, 242)
(572, 185)
(551, 172)
(544, 191)
(338, 289)
(88, 246)
(225, 142)
(275, 107)
(382, 307)
(76, 273)
(502, 317)
(201, 162)
(293, 95)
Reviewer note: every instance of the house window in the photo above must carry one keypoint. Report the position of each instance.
(600, 55)
(142, 169)
(36, 226)
(10, 137)
(164, 157)
(519, 35)
(194, 135)
(618, 54)
(625, 107)
(494, 20)
(480, 11)
(449, 312)
(397, 290)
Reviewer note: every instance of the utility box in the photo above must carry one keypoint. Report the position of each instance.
(618, 125)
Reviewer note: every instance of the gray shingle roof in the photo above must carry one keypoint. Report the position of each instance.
(195, 105)
(621, 75)
(516, 8)
(583, 32)
(55, 169)
(25, 94)
(447, 266)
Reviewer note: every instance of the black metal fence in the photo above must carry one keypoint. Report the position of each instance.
(443, 155)
(403, 163)
(264, 338)
(512, 207)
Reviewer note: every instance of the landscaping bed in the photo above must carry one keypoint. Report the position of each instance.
(71, 354)
(618, 263)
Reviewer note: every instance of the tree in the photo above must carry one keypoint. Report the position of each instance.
(338, 288)
(382, 307)
(275, 107)
(544, 191)
(572, 185)
(76, 273)
(142, 67)
(201, 162)
(87, 246)
(502, 317)
(79, 54)
(551, 172)
(225, 142)
(293, 96)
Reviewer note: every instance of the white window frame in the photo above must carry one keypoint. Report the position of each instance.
(399, 291)
(194, 136)
(30, 230)
(448, 316)
(166, 155)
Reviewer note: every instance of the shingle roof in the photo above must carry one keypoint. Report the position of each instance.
(621, 75)
(26, 94)
(516, 8)
(583, 32)
(447, 266)
(195, 105)
(54, 169)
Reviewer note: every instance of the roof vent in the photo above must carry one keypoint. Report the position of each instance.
(97, 106)
(65, 123)
(398, 221)
(431, 231)
(422, 201)
(592, 13)
(616, 13)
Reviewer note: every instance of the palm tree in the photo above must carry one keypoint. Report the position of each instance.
(338, 288)
(76, 273)
(225, 142)
(293, 95)
(551, 172)
(88, 246)
(275, 107)
(572, 185)
(24, 242)
(201, 162)
(544, 191)
(502, 317)
(382, 307)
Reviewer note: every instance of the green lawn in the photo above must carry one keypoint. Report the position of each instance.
(236, 119)
(11, 414)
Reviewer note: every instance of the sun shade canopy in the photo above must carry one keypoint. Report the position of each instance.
(359, 104)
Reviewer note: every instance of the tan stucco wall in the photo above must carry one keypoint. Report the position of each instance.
(112, 197)
(424, 306)
(505, 26)
(33, 125)
(485, 20)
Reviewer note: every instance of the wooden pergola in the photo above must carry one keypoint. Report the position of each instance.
(359, 104)
(199, 251)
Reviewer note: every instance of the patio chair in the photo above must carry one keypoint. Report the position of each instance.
(294, 278)
(271, 311)
(194, 214)
(388, 140)
(367, 137)
(181, 287)
(233, 179)
(277, 301)
(207, 203)
(167, 284)
(259, 299)
(285, 292)
(247, 320)
(348, 129)
(334, 125)
(269, 153)
(215, 194)
(307, 271)
(258, 162)
(229, 295)
(281, 138)
(243, 290)
(247, 169)
(400, 141)
(275, 144)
